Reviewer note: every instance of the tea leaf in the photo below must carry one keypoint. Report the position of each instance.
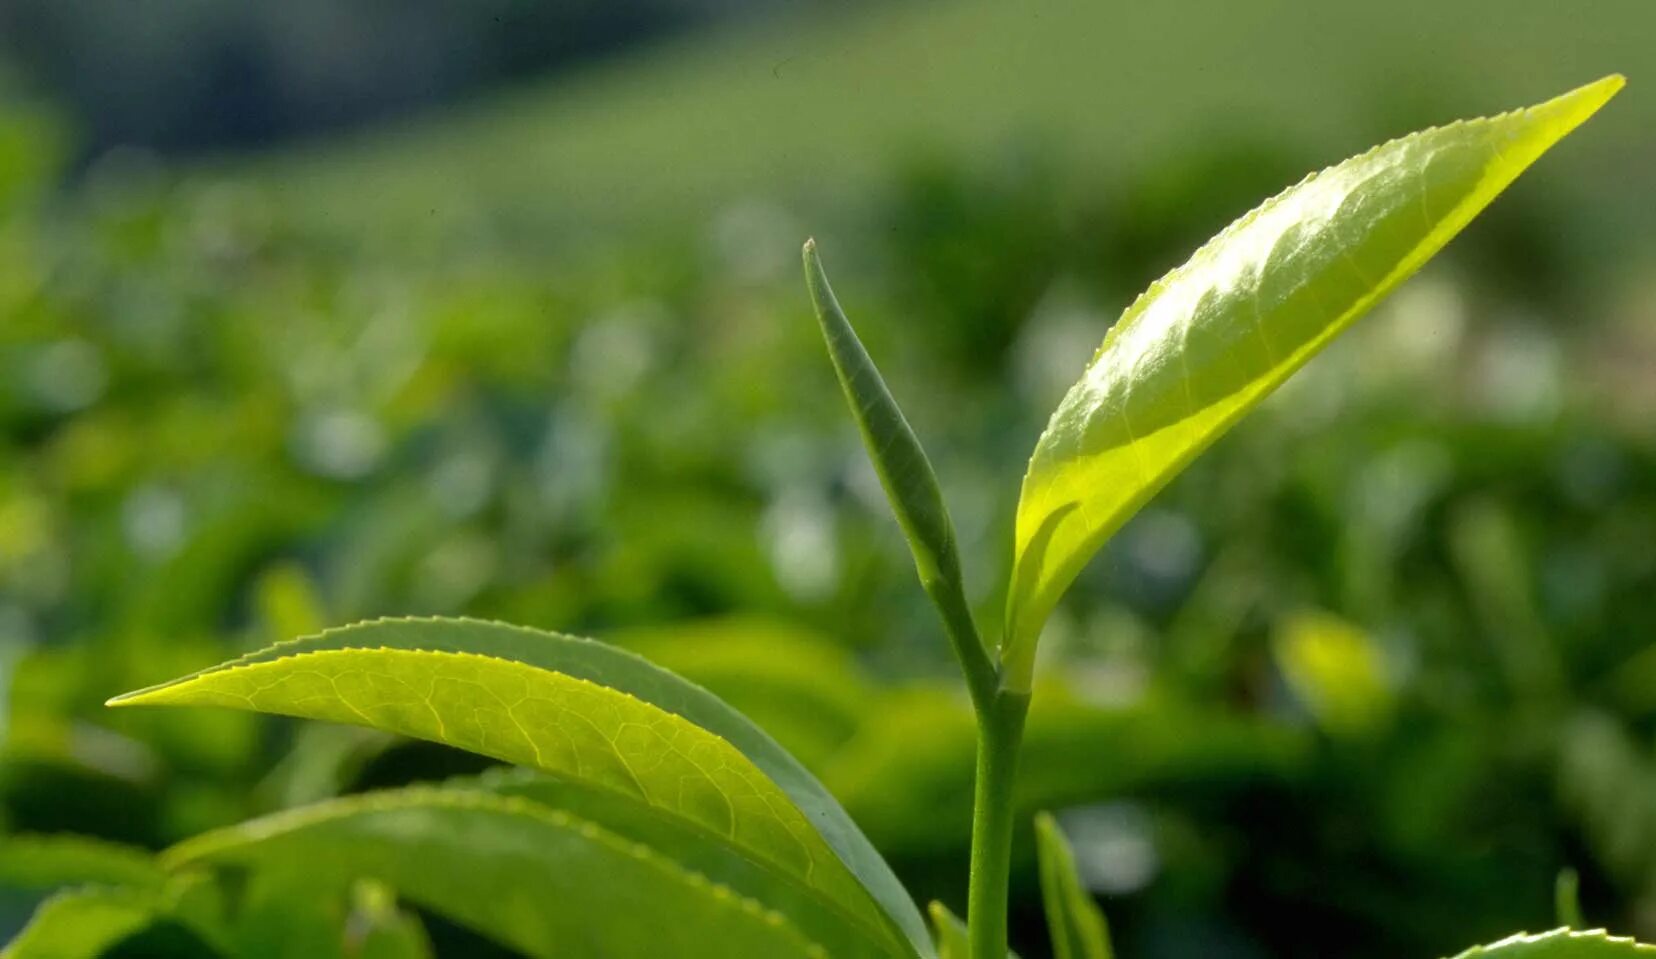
(1208, 341)
(538, 880)
(88, 921)
(819, 920)
(49, 861)
(898, 458)
(905, 473)
(1077, 924)
(85, 923)
(952, 939)
(587, 712)
(1562, 944)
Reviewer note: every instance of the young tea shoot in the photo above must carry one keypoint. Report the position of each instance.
(644, 817)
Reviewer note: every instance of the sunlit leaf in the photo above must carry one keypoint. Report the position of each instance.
(538, 880)
(583, 711)
(1562, 944)
(1077, 924)
(1205, 343)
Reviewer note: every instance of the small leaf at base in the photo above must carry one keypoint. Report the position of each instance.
(1077, 924)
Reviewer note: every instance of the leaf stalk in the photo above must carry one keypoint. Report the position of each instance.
(982, 676)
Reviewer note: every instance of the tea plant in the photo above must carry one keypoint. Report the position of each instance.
(647, 818)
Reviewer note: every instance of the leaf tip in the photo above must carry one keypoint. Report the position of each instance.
(1049, 836)
(1586, 100)
(1602, 89)
(138, 697)
(816, 280)
(813, 265)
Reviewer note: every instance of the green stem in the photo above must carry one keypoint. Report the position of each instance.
(1000, 734)
(981, 675)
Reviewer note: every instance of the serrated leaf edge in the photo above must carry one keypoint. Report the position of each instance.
(1587, 935)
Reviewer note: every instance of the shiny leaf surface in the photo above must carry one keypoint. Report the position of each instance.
(1208, 341)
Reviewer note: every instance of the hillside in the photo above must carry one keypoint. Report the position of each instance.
(807, 110)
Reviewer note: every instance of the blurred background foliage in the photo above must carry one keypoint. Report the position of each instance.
(1361, 683)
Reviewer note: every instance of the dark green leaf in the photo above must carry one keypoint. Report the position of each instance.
(907, 476)
(536, 879)
(901, 463)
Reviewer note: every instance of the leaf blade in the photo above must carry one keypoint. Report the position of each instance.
(904, 470)
(821, 920)
(845, 866)
(1562, 944)
(84, 923)
(1077, 924)
(1212, 338)
(907, 477)
(46, 861)
(554, 885)
(953, 940)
